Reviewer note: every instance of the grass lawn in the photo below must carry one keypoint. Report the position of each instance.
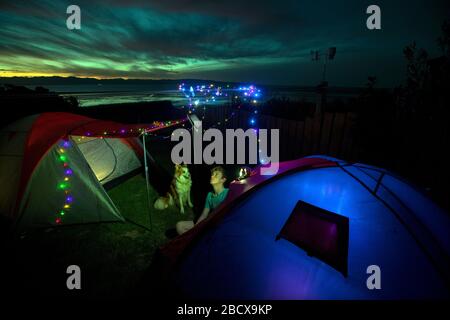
(113, 257)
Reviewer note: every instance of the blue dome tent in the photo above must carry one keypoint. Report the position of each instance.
(391, 224)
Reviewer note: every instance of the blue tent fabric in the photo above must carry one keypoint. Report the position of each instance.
(392, 225)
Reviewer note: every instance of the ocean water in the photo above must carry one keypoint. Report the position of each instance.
(88, 99)
(94, 95)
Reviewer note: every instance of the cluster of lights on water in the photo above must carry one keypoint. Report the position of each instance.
(211, 94)
(202, 95)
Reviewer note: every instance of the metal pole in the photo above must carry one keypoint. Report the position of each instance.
(324, 68)
(146, 181)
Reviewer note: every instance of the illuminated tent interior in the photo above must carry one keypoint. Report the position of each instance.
(57, 165)
(109, 158)
(238, 254)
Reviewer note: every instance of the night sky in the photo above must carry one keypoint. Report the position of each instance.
(266, 42)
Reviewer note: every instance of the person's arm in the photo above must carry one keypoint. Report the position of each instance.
(203, 215)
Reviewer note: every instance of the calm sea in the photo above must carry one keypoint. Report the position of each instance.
(94, 95)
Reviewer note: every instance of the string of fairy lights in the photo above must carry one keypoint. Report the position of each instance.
(202, 95)
(198, 96)
(65, 185)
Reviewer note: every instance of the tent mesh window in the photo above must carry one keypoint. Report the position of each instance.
(321, 233)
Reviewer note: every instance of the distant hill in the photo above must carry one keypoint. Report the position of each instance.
(67, 81)
(21, 101)
(39, 81)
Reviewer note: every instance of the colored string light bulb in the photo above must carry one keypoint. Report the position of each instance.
(62, 186)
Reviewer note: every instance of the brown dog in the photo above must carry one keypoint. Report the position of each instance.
(179, 191)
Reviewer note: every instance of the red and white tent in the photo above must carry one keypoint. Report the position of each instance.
(53, 167)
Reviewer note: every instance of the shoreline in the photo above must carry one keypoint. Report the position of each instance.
(134, 112)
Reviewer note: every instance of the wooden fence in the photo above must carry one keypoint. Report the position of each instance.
(326, 133)
(416, 151)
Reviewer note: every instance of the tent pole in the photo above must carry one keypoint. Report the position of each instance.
(146, 181)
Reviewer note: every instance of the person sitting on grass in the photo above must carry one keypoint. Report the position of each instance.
(213, 199)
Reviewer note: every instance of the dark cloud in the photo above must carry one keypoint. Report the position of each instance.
(268, 41)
